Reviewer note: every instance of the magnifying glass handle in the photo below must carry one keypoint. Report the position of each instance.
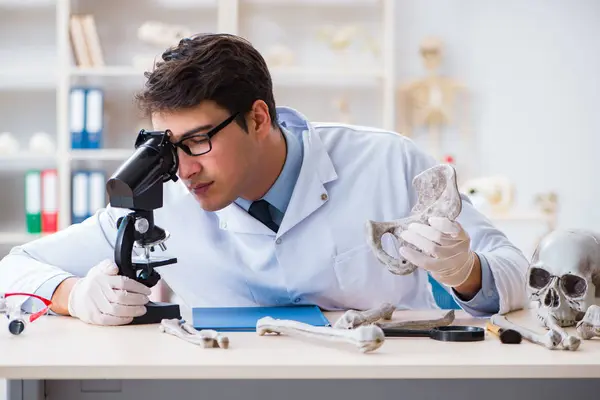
(393, 332)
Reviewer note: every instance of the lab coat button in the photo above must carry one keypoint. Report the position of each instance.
(278, 241)
(324, 196)
(223, 225)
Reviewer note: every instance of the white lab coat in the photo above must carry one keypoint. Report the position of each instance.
(319, 256)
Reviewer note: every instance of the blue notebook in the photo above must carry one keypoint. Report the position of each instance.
(243, 319)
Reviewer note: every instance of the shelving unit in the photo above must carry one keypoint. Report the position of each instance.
(57, 72)
(45, 77)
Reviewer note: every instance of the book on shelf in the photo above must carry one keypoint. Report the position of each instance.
(85, 41)
(41, 201)
(88, 194)
(86, 117)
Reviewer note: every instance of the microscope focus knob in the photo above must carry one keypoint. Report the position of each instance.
(142, 225)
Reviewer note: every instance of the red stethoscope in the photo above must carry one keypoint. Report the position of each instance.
(17, 320)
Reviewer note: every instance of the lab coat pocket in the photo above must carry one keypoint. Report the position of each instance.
(351, 253)
(363, 281)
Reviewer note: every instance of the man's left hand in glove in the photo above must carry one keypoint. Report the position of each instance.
(446, 254)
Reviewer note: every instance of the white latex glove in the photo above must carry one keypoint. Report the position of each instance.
(104, 298)
(445, 247)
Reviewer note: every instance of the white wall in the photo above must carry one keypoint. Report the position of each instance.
(533, 68)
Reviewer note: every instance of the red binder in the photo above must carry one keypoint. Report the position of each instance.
(49, 201)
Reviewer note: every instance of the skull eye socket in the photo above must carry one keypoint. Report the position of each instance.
(573, 285)
(539, 278)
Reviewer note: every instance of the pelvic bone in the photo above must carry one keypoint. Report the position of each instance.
(438, 196)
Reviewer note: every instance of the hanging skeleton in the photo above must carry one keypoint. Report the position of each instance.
(564, 280)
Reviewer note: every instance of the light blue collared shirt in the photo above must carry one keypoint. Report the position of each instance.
(487, 301)
(281, 192)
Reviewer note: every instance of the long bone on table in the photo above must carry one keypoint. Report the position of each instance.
(550, 340)
(367, 338)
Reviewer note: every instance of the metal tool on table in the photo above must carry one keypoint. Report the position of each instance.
(138, 185)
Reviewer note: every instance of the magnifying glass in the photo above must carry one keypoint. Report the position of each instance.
(452, 333)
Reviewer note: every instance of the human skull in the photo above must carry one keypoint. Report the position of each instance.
(564, 275)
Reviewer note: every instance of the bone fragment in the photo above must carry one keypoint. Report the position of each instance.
(367, 338)
(353, 318)
(589, 326)
(438, 196)
(568, 342)
(446, 320)
(550, 340)
(205, 338)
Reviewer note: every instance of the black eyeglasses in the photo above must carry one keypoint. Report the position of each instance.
(196, 145)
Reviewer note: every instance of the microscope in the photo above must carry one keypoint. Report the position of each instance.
(138, 185)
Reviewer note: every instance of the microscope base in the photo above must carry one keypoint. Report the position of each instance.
(157, 312)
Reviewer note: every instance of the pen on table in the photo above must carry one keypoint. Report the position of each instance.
(507, 336)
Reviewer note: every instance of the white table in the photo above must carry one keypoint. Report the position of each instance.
(57, 348)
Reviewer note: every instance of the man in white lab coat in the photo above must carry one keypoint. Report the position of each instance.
(270, 210)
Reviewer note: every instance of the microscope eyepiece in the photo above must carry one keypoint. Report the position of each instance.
(137, 183)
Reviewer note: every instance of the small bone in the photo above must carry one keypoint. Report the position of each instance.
(206, 338)
(367, 338)
(446, 320)
(438, 196)
(568, 342)
(218, 339)
(353, 318)
(549, 340)
(589, 326)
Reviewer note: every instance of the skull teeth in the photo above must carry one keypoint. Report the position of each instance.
(559, 321)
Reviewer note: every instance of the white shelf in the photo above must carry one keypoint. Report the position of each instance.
(17, 238)
(186, 4)
(101, 154)
(520, 216)
(27, 156)
(109, 71)
(298, 76)
(27, 78)
(24, 4)
(313, 3)
(286, 76)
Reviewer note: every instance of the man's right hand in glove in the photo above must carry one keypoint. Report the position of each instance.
(103, 297)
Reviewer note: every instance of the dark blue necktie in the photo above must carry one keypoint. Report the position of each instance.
(260, 210)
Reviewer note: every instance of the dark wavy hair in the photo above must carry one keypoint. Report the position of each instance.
(223, 68)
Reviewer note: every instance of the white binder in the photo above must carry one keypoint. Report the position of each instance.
(94, 117)
(80, 195)
(97, 191)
